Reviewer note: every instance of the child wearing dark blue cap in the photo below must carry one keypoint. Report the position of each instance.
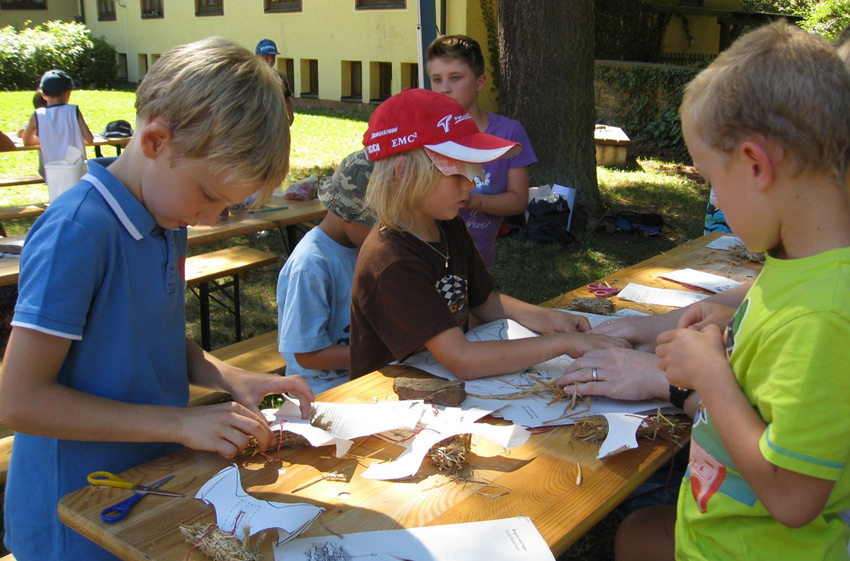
(59, 124)
(267, 51)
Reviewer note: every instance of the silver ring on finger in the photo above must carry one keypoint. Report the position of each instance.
(595, 374)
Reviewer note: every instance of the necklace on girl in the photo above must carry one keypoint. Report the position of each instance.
(448, 254)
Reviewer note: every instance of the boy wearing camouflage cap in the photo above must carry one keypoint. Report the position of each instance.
(314, 286)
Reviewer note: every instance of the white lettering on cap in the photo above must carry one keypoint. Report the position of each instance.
(403, 140)
(445, 122)
(372, 148)
(383, 132)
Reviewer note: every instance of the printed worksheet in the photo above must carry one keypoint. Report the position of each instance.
(660, 296)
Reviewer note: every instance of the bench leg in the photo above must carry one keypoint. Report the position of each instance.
(236, 311)
(204, 297)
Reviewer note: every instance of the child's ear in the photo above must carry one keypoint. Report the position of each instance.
(400, 167)
(760, 160)
(480, 82)
(154, 136)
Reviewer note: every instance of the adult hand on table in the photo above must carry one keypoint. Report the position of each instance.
(620, 374)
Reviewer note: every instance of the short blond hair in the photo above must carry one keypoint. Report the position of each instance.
(398, 185)
(224, 106)
(781, 83)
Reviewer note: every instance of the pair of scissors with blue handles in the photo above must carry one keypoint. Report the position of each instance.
(602, 290)
(120, 510)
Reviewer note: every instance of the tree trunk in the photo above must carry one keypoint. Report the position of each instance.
(546, 49)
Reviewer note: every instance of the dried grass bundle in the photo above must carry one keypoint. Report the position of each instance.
(219, 545)
(449, 455)
(601, 306)
(595, 429)
(745, 254)
(280, 439)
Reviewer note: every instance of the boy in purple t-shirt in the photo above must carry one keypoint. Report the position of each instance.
(456, 69)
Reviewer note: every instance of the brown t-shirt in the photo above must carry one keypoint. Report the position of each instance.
(403, 294)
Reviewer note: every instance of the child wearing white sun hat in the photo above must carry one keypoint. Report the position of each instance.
(419, 277)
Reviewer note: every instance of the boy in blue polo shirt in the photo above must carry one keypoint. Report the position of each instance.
(98, 365)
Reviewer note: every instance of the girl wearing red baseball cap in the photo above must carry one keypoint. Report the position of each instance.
(419, 275)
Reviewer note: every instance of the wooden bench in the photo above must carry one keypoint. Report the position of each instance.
(204, 272)
(21, 180)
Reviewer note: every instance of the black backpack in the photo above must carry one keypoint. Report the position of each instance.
(547, 221)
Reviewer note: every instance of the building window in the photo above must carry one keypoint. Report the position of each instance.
(106, 10)
(378, 4)
(209, 7)
(283, 6)
(409, 75)
(23, 4)
(352, 80)
(152, 9)
(309, 78)
(122, 66)
(381, 81)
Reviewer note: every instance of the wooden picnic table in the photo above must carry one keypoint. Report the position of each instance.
(99, 141)
(537, 479)
(296, 213)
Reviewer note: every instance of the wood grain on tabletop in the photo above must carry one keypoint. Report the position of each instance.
(539, 477)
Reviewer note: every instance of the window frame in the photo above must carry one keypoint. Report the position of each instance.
(26, 5)
(380, 4)
(282, 6)
(103, 15)
(201, 11)
(151, 12)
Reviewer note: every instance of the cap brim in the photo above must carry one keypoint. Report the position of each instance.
(478, 148)
(449, 166)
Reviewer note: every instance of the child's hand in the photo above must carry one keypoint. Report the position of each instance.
(250, 388)
(580, 343)
(224, 428)
(563, 322)
(700, 314)
(690, 357)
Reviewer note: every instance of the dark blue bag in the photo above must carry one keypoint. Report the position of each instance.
(645, 223)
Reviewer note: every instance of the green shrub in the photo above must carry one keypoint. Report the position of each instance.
(654, 93)
(28, 53)
(828, 18)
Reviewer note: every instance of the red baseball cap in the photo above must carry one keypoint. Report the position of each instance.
(418, 118)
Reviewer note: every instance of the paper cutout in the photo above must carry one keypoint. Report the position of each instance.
(440, 424)
(509, 539)
(236, 510)
(622, 433)
(288, 418)
(528, 410)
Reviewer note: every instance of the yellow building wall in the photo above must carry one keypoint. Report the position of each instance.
(330, 32)
(64, 10)
(703, 32)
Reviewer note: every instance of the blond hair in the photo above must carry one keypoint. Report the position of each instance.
(398, 185)
(781, 83)
(224, 106)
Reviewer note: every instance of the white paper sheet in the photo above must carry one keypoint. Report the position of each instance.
(236, 510)
(509, 539)
(660, 296)
(725, 243)
(288, 418)
(701, 279)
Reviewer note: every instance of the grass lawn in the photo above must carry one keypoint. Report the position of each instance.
(526, 270)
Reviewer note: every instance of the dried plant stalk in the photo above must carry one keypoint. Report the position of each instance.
(449, 455)
(595, 429)
(742, 252)
(601, 306)
(219, 545)
(280, 439)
